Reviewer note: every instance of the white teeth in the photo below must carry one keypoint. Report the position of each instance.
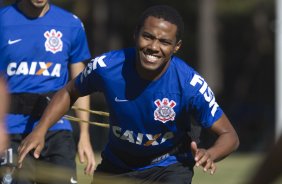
(151, 58)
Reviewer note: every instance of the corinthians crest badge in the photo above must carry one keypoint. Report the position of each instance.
(53, 41)
(164, 111)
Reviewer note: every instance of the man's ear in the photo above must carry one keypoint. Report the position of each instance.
(177, 47)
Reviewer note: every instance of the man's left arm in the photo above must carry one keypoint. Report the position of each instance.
(85, 150)
(226, 143)
(227, 140)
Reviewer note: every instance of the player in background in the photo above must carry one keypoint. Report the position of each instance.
(150, 94)
(40, 43)
(270, 168)
(5, 100)
(4, 137)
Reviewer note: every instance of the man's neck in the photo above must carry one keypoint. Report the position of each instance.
(31, 11)
(150, 75)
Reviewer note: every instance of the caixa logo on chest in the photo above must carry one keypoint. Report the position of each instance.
(34, 68)
(164, 111)
(141, 138)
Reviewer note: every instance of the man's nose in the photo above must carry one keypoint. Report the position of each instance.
(154, 45)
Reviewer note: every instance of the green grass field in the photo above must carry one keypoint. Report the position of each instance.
(235, 169)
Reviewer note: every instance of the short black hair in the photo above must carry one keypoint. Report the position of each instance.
(165, 12)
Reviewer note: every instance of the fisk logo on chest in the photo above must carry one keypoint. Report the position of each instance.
(206, 92)
(34, 68)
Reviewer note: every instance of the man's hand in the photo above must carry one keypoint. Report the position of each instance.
(85, 150)
(34, 141)
(203, 158)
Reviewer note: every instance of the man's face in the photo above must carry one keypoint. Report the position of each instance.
(38, 3)
(156, 42)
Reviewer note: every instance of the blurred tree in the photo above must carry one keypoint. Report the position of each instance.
(247, 49)
(209, 62)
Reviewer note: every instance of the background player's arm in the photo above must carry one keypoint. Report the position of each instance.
(226, 143)
(59, 105)
(84, 144)
(4, 98)
(271, 167)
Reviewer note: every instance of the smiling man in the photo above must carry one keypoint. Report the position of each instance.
(150, 93)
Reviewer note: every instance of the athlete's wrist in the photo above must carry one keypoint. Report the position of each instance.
(40, 129)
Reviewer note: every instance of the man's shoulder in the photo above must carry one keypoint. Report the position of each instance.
(64, 16)
(9, 15)
(123, 54)
(120, 55)
(6, 10)
(181, 65)
(111, 62)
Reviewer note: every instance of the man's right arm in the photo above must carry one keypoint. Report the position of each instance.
(59, 105)
(4, 98)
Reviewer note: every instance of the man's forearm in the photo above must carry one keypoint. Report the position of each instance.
(84, 103)
(58, 106)
(224, 145)
(4, 97)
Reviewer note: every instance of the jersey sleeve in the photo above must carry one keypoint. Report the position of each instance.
(201, 101)
(79, 49)
(90, 79)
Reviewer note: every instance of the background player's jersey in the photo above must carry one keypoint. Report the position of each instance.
(148, 118)
(37, 53)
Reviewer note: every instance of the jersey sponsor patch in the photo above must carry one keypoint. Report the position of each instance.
(53, 41)
(206, 92)
(34, 68)
(164, 111)
(141, 138)
(93, 66)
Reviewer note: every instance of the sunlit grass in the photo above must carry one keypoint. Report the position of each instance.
(235, 169)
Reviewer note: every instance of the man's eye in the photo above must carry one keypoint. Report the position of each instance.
(147, 37)
(166, 43)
